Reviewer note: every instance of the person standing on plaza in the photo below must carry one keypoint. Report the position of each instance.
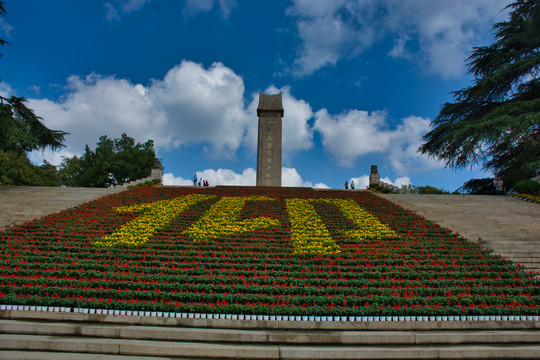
(498, 183)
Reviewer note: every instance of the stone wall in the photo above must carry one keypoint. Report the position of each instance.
(154, 174)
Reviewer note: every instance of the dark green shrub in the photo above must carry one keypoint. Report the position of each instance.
(479, 187)
(147, 183)
(527, 187)
(380, 189)
(430, 190)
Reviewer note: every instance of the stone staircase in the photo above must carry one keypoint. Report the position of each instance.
(509, 226)
(50, 335)
(25, 203)
(154, 175)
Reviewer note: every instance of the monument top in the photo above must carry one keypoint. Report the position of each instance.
(270, 103)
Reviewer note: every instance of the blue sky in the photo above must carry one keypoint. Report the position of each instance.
(361, 80)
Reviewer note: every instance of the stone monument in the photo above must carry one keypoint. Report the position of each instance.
(270, 112)
(374, 177)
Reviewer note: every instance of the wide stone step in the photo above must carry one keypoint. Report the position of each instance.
(136, 347)
(41, 355)
(505, 225)
(513, 240)
(220, 335)
(43, 335)
(269, 351)
(24, 203)
(513, 249)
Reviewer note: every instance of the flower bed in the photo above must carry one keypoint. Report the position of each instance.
(528, 197)
(245, 250)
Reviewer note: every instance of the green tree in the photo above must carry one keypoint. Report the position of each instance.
(479, 187)
(113, 162)
(70, 171)
(132, 161)
(97, 166)
(16, 169)
(430, 190)
(21, 131)
(496, 121)
(48, 174)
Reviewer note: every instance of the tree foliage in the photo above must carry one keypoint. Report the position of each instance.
(430, 190)
(113, 162)
(21, 131)
(527, 187)
(16, 169)
(496, 121)
(2, 13)
(483, 186)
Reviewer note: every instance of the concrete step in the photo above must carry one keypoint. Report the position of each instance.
(39, 355)
(525, 249)
(42, 335)
(304, 350)
(241, 351)
(220, 335)
(508, 226)
(25, 203)
(136, 347)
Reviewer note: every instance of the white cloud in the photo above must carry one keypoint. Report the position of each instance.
(443, 32)
(362, 182)
(229, 177)
(53, 157)
(5, 89)
(405, 140)
(97, 106)
(215, 177)
(438, 35)
(191, 105)
(329, 31)
(404, 180)
(116, 7)
(357, 133)
(290, 177)
(321, 186)
(170, 179)
(352, 134)
(5, 27)
(202, 106)
(314, 8)
(193, 7)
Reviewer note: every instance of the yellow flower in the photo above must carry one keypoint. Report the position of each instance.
(369, 227)
(308, 232)
(221, 219)
(156, 216)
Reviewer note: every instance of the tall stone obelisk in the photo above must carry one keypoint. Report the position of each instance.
(270, 113)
